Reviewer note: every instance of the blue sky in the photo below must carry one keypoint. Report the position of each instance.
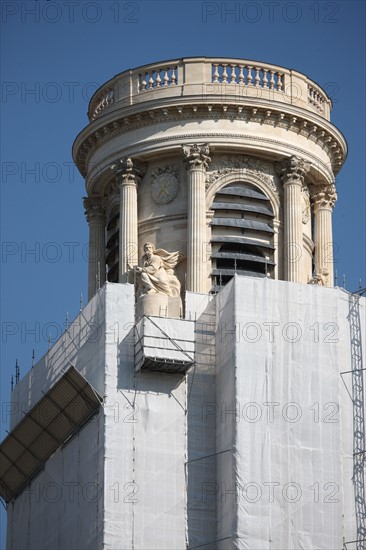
(55, 54)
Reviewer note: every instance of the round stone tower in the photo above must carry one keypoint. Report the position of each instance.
(231, 162)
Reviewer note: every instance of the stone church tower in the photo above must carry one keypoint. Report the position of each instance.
(231, 162)
(197, 401)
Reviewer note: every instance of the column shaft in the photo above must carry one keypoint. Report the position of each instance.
(293, 232)
(324, 198)
(293, 180)
(324, 243)
(196, 269)
(128, 174)
(128, 234)
(96, 276)
(197, 159)
(95, 214)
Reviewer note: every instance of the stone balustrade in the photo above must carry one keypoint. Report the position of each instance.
(102, 100)
(201, 79)
(156, 77)
(317, 98)
(248, 75)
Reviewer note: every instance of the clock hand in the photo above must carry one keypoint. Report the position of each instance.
(163, 189)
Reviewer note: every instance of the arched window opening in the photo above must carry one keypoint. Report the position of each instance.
(241, 234)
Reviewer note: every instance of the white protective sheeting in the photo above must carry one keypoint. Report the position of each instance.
(145, 442)
(120, 483)
(160, 340)
(201, 425)
(252, 449)
(63, 505)
(280, 350)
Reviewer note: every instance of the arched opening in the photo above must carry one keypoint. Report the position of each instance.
(241, 234)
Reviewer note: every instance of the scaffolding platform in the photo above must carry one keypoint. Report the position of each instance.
(164, 345)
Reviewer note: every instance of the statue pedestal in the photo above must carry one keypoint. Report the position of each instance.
(175, 307)
(159, 305)
(155, 305)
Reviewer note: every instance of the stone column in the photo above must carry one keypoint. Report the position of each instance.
(95, 215)
(293, 179)
(323, 200)
(128, 174)
(197, 160)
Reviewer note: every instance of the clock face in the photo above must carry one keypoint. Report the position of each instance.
(164, 188)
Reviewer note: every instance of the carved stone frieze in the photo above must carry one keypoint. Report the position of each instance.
(167, 169)
(269, 141)
(246, 166)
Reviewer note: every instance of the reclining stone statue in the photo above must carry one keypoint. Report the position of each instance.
(156, 273)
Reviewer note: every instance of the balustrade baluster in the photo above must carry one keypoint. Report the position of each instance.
(280, 82)
(158, 78)
(224, 73)
(233, 74)
(173, 77)
(265, 79)
(216, 74)
(257, 78)
(249, 76)
(166, 77)
(241, 74)
(272, 80)
(151, 80)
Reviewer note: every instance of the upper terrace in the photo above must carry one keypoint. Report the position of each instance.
(201, 79)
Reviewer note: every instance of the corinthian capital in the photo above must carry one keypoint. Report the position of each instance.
(294, 170)
(94, 208)
(197, 155)
(324, 197)
(128, 171)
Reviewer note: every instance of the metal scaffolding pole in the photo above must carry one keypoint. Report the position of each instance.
(358, 418)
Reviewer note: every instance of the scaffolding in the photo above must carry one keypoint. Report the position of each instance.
(357, 397)
(164, 345)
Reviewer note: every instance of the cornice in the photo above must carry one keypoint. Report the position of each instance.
(291, 119)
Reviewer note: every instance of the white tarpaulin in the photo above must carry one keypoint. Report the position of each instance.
(165, 345)
(283, 418)
(252, 449)
(145, 442)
